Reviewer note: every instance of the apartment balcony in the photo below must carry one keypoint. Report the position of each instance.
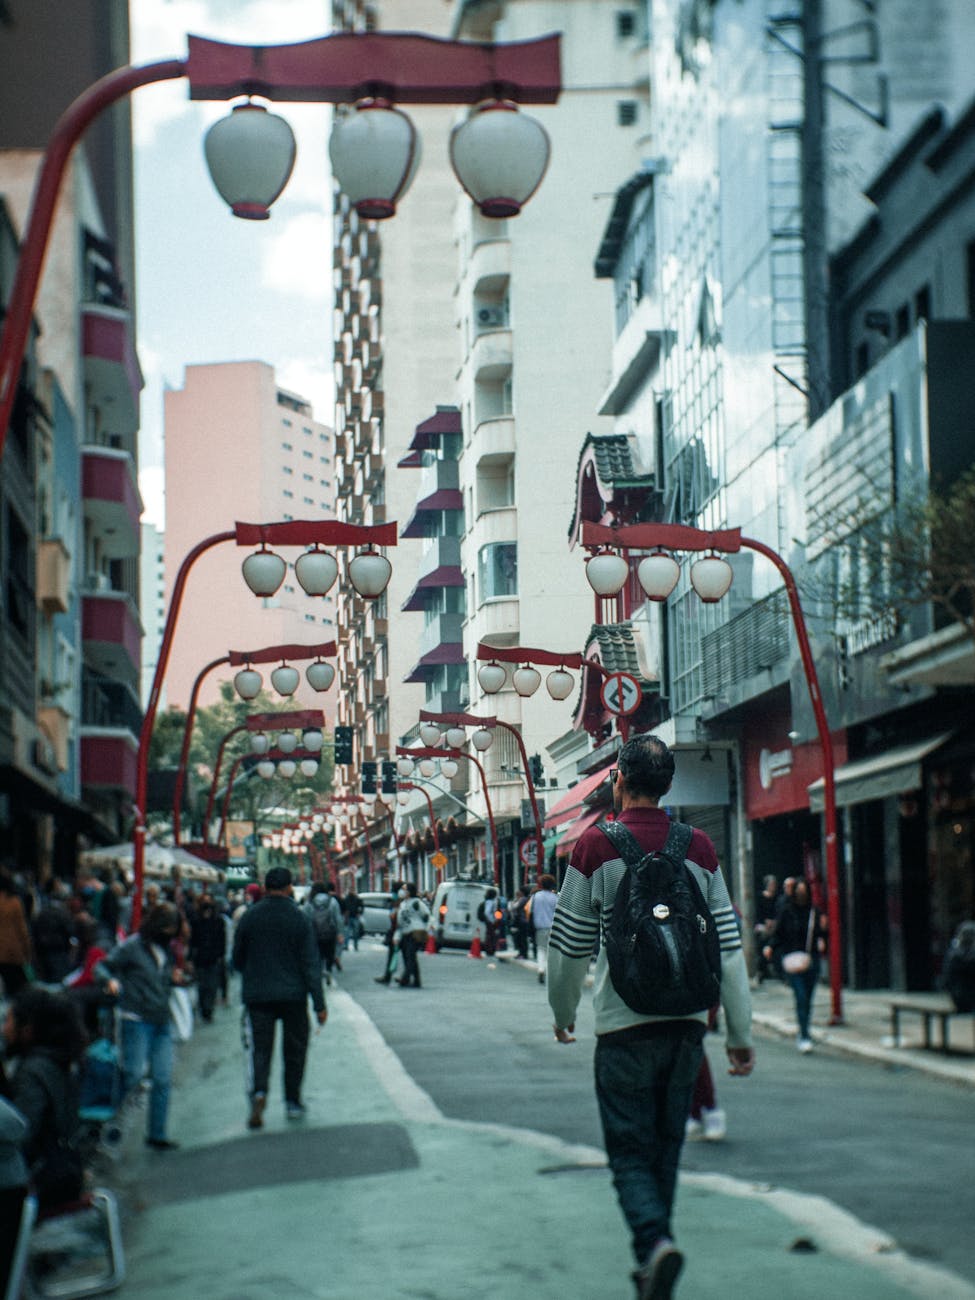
(490, 266)
(493, 440)
(112, 504)
(442, 629)
(108, 760)
(111, 634)
(498, 620)
(53, 576)
(113, 379)
(491, 355)
(636, 354)
(439, 567)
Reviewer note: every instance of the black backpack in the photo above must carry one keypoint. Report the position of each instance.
(661, 942)
(326, 931)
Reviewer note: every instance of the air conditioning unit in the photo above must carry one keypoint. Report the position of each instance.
(491, 318)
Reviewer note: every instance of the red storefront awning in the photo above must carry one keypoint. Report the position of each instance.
(571, 803)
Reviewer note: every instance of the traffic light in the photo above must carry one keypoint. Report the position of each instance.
(389, 778)
(343, 745)
(368, 778)
(535, 768)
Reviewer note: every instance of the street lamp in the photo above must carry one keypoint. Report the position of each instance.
(485, 725)
(711, 577)
(447, 756)
(251, 152)
(290, 533)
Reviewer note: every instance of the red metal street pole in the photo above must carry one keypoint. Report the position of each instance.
(468, 720)
(454, 754)
(293, 532)
(408, 785)
(680, 537)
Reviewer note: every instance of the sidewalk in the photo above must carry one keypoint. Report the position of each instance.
(377, 1196)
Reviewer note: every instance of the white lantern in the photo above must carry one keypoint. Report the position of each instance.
(499, 155)
(250, 155)
(285, 679)
(312, 740)
(430, 734)
(266, 841)
(287, 742)
(711, 577)
(448, 768)
(316, 571)
(607, 573)
(369, 800)
(559, 684)
(320, 675)
(375, 151)
(369, 573)
(492, 677)
(456, 737)
(260, 744)
(265, 768)
(658, 574)
(248, 683)
(264, 572)
(287, 767)
(427, 767)
(309, 766)
(403, 797)
(404, 766)
(483, 738)
(526, 680)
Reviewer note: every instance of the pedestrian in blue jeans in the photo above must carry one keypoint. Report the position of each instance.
(798, 942)
(141, 973)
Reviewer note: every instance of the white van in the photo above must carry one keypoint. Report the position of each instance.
(455, 904)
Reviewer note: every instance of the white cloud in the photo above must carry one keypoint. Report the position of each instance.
(298, 259)
(152, 485)
(311, 378)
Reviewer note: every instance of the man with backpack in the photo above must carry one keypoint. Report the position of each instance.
(653, 894)
(326, 918)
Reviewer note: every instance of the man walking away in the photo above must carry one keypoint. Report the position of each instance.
(412, 920)
(277, 956)
(645, 1065)
(543, 905)
(207, 944)
(326, 919)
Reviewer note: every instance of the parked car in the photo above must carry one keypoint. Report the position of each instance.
(376, 908)
(454, 909)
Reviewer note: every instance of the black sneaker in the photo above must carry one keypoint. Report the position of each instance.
(655, 1280)
(296, 1110)
(162, 1144)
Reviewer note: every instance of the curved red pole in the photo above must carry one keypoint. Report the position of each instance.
(829, 779)
(234, 731)
(490, 813)
(66, 134)
(184, 752)
(148, 721)
(531, 789)
(225, 806)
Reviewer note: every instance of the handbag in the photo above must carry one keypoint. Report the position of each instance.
(181, 1013)
(796, 963)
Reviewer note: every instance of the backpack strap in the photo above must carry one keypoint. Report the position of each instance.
(632, 852)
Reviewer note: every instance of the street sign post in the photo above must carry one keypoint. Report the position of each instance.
(438, 860)
(621, 694)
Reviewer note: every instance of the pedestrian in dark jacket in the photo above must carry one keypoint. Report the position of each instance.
(141, 973)
(206, 951)
(52, 932)
(960, 967)
(277, 955)
(798, 942)
(45, 1040)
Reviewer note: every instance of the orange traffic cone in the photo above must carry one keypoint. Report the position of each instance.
(475, 948)
(431, 947)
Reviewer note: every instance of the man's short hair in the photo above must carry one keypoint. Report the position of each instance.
(647, 766)
(277, 878)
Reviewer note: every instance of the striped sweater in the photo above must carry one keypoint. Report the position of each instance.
(584, 911)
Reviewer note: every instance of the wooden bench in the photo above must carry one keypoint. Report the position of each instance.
(930, 1007)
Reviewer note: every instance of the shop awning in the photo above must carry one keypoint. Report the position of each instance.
(575, 830)
(879, 776)
(445, 575)
(442, 499)
(571, 803)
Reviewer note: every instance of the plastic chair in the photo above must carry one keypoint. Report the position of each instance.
(60, 1248)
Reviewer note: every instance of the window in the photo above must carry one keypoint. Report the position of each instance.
(626, 112)
(497, 570)
(286, 469)
(286, 446)
(922, 303)
(625, 23)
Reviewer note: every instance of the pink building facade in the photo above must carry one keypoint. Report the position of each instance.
(240, 448)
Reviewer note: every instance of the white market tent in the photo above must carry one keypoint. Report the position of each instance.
(160, 860)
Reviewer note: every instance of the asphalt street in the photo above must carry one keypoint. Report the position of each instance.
(887, 1144)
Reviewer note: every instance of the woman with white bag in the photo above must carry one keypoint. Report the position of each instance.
(798, 942)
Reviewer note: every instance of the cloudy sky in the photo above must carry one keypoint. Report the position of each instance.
(211, 287)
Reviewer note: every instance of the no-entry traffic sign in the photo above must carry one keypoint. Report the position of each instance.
(621, 693)
(528, 852)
